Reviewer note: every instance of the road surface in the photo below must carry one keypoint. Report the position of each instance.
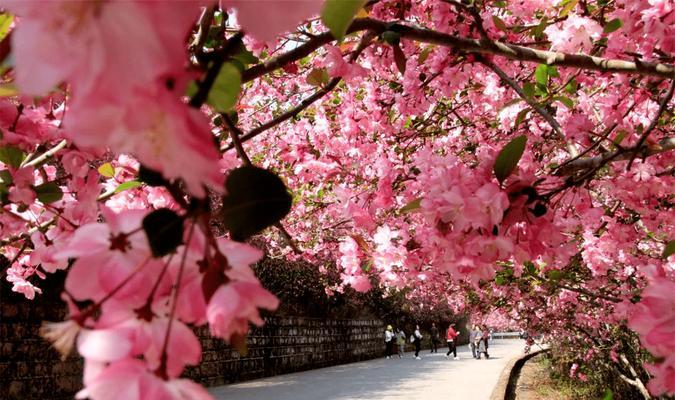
(431, 378)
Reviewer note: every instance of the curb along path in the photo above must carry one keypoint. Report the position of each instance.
(432, 378)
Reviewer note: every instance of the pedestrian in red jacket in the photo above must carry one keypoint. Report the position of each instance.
(450, 337)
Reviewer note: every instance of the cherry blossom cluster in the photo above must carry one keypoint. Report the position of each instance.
(397, 136)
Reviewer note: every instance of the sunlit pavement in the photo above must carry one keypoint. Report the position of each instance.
(432, 377)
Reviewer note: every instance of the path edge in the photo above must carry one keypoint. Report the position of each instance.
(509, 375)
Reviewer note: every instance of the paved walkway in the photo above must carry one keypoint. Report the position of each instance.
(432, 378)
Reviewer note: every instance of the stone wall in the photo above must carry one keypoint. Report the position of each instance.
(288, 344)
(30, 369)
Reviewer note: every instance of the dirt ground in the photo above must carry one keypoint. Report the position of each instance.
(534, 382)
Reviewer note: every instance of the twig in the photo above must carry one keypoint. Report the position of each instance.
(655, 121)
(45, 155)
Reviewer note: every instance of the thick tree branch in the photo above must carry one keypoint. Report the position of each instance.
(507, 50)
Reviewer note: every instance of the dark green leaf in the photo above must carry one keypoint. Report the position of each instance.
(164, 229)
(48, 192)
(338, 14)
(256, 198)
(150, 177)
(613, 25)
(127, 185)
(244, 56)
(11, 155)
(508, 158)
(669, 249)
(565, 100)
(609, 395)
(529, 89)
(317, 77)
(391, 37)
(225, 91)
(399, 58)
(539, 29)
(520, 117)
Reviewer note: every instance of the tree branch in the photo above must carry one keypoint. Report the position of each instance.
(332, 84)
(530, 101)
(507, 50)
(664, 145)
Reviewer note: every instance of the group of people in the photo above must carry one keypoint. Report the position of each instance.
(479, 337)
(399, 338)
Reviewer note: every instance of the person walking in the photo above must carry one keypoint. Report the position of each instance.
(450, 336)
(484, 342)
(434, 338)
(477, 340)
(400, 342)
(417, 340)
(472, 340)
(388, 341)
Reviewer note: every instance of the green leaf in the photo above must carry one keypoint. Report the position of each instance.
(244, 56)
(569, 6)
(317, 77)
(127, 185)
(619, 137)
(5, 177)
(552, 71)
(572, 86)
(669, 249)
(529, 89)
(613, 25)
(5, 23)
(521, 117)
(256, 198)
(499, 23)
(164, 229)
(225, 91)
(541, 74)
(399, 58)
(508, 158)
(106, 170)
(565, 100)
(338, 14)
(411, 206)
(608, 395)
(539, 29)
(48, 192)
(11, 155)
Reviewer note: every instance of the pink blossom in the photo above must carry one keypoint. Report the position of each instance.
(234, 304)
